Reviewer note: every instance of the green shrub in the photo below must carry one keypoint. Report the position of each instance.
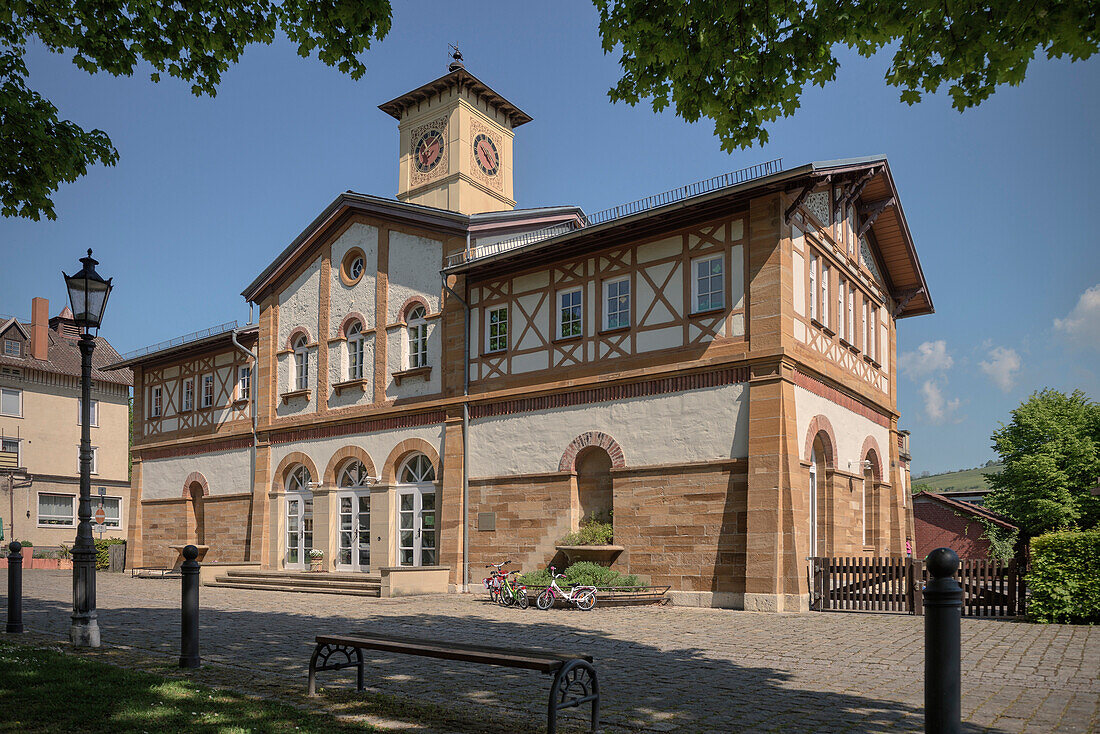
(1064, 579)
(584, 573)
(592, 532)
(26, 544)
(64, 552)
(102, 555)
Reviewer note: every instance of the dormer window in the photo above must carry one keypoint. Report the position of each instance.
(13, 348)
(355, 352)
(301, 363)
(418, 337)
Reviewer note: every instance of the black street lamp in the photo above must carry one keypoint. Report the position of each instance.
(88, 294)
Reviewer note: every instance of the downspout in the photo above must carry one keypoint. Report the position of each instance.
(253, 388)
(465, 431)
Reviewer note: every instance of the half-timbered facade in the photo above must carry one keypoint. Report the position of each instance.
(713, 369)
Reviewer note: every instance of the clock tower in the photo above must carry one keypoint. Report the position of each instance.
(456, 143)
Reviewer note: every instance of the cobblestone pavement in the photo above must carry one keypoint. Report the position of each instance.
(661, 668)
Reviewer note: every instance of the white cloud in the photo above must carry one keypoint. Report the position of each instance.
(1082, 324)
(929, 357)
(938, 408)
(1002, 367)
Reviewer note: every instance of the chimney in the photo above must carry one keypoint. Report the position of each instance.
(40, 329)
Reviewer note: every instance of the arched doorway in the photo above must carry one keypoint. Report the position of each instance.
(417, 529)
(299, 517)
(353, 517)
(594, 488)
(871, 529)
(197, 513)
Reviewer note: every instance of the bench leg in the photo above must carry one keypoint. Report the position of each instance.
(575, 684)
(322, 660)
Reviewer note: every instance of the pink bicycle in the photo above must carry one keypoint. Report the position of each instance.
(584, 597)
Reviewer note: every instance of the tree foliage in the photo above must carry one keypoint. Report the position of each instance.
(1051, 454)
(745, 64)
(192, 41)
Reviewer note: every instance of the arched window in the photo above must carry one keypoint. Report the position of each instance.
(301, 363)
(353, 541)
(355, 351)
(418, 468)
(354, 475)
(418, 337)
(299, 480)
(299, 517)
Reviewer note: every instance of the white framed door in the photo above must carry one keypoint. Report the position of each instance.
(417, 530)
(299, 529)
(353, 536)
(813, 505)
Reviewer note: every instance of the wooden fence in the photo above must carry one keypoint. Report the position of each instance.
(869, 584)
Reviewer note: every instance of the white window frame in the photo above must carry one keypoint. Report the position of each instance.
(38, 511)
(841, 286)
(95, 412)
(207, 398)
(244, 382)
(100, 501)
(872, 339)
(578, 321)
(851, 315)
(825, 293)
(417, 326)
(301, 364)
(866, 326)
(18, 448)
(695, 293)
(490, 326)
(188, 399)
(18, 352)
(156, 402)
(95, 459)
(609, 301)
(813, 286)
(356, 351)
(19, 396)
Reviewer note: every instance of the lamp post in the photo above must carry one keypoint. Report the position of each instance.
(88, 294)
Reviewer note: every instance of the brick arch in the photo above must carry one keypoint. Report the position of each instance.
(342, 332)
(592, 438)
(195, 478)
(295, 333)
(871, 450)
(340, 457)
(278, 482)
(401, 452)
(413, 301)
(820, 426)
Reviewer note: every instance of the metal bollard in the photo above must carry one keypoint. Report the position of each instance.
(942, 644)
(189, 639)
(15, 588)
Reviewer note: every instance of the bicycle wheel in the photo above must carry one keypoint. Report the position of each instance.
(586, 601)
(545, 600)
(507, 597)
(521, 598)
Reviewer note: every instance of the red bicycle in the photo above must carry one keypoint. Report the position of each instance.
(493, 580)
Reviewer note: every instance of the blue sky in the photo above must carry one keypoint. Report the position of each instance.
(1000, 199)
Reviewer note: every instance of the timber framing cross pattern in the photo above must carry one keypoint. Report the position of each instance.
(709, 372)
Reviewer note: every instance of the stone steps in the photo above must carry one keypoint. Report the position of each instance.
(349, 584)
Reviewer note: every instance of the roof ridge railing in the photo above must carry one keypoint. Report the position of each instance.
(672, 196)
(181, 340)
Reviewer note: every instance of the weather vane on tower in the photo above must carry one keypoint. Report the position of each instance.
(457, 56)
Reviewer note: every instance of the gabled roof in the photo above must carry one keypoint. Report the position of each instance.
(14, 322)
(64, 359)
(461, 79)
(969, 508)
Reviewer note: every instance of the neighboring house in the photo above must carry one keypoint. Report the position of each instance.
(942, 521)
(40, 430)
(715, 365)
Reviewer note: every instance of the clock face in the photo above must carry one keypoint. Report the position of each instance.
(486, 155)
(428, 151)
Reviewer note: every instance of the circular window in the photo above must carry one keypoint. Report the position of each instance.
(351, 270)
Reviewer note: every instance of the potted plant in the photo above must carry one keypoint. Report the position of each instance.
(316, 560)
(65, 558)
(28, 551)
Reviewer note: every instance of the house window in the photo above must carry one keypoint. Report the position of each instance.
(244, 383)
(11, 446)
(301, 364)
(355, 351)
(825, 294)
(111, 508)
(872, 340)
(851, 314)
(11, 402)
(569, 313)
(207, 390)
(156, 402)
(866, 326)
(813, 286)
(95, 459)
(417, 469)
(707, 285)
(12, 348)
(840, 322)
(418, 338)
(56, 509)
(617, 298)
(94, 413)
(189, 394)
(498, 329)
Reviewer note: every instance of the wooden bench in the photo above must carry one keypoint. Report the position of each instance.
(575, 682)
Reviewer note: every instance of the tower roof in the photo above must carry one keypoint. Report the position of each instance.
(462, 79)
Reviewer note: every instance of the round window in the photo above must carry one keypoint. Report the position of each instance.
(351, 269)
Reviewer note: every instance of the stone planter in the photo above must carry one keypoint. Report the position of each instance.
(65, 564)
(604, 555)
(316, 566)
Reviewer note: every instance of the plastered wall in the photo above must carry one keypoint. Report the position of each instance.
(226, 472)
(850, 429)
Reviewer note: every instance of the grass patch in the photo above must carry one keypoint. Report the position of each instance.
(45, 690)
